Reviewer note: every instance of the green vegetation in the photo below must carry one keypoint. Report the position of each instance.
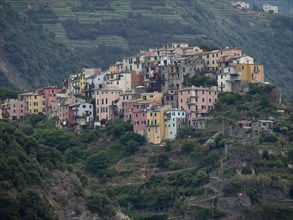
(33, 51)
(6, 93)
(199, 81)
(23, 161)
(262, 212)
(256, 103)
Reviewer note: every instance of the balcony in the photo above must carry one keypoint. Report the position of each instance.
(190, 103)
(153, 125)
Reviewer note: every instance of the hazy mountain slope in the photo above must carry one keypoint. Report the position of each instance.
(102, 32)
(30, 56)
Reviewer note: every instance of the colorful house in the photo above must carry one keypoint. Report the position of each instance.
(121, 80)
(116, 68)
(85, 73)
(251, 73)
(35, 102)
(176, 119)
(156, 122)
(106, 98)
(14, 109)
(197, 101)
(152, 96)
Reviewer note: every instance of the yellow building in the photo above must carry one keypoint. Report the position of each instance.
(251, 73)
(36, 103)
(85, 73)
(156, 121)
(154, 96)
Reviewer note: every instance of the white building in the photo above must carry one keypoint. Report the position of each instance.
(122, 80)
(176, 119)
(94, 81)
(271, 8)
(133, 63)
(240, 5)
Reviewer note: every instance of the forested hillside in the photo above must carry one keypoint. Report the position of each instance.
(99, 33)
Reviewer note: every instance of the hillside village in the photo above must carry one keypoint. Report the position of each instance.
(149, 89)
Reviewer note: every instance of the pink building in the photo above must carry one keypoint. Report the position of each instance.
(197, 101)
(128, 107)
(16, 109)
(51, 100)
(108, 102)
(136, 112)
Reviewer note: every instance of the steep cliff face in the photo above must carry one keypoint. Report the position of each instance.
(68, 196)
(34, 183)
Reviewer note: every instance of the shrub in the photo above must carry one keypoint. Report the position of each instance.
(101, 204)
(163, 160)
(232, 188)
(246, 171)
(188, 146)
(270, 138)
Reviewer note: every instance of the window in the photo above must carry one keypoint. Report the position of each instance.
(83, 106)
(202, 99)
(181, 100)
(102, 101)
(255, 68)
(106, 100)
(242, 67)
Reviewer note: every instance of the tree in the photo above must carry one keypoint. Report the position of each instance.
(188, 146)
(101, 204)
(97, 163)
(5, 114)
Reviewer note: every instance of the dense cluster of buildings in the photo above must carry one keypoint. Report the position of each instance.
(146, 89)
